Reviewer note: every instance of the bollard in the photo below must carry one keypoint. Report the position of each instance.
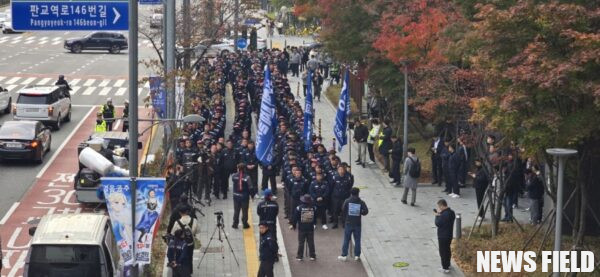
(457, 224)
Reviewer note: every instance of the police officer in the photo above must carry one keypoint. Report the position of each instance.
(298, 187)
(108, 112)
(304, 219)
(243, 189)
(268, 250)
(100, 124)
(342, 184)
(267, 211)
(319, 191)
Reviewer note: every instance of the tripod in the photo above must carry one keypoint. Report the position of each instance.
(220, 227)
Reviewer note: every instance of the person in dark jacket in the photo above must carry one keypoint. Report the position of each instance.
(267, 250)
(267, 211)
(463, 166)
(177, 252)
(243, 189)
(481, 180)
(444, 221)
(436, 161)
(515, 175)
(342, 183)
(352, 212)
(317, 83)
(396, 151)
(269, 173)
(298, 186)
(445, 157)
(386, 145)
(304, 219)
(361, 132)
(229, 159)
(319, 191)
(453, 168)
(535, 192)
(251, 162)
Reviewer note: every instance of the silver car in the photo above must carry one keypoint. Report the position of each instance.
(48, 104)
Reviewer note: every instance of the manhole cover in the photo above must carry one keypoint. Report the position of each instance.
(213, 249)
(400, 264)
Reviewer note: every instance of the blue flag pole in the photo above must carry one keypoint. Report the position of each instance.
(265, 137)
(308, 113)
(343, 112)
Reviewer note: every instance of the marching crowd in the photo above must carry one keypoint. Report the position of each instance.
(317, 186)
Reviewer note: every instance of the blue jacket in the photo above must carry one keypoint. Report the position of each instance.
(445, 223)
(268, 247)
(177, 251)
(242, 187)
(342, 186)
(267, 211)
(319, 189)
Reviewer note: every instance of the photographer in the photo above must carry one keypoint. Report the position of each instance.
(177, 255)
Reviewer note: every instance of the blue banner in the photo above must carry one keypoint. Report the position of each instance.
(343, 112)
(158, 94)
(149, 203)
(265, 135)
(308, 113)
(68, 15)
(117, 192)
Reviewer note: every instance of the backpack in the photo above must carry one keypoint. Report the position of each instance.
(188, 236)
(415, 168)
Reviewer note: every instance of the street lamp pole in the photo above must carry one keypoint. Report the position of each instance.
(133, 114)
(562, 155)
(405, 134)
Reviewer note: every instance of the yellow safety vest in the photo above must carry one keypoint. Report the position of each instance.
(100, 128)
(373, 134)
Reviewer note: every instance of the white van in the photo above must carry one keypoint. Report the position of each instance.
(72, 245)
(48, 104)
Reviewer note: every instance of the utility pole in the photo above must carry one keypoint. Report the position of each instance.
(405, 134)
(187, 34)
(236, 23)
(133, 113)
(170, 79)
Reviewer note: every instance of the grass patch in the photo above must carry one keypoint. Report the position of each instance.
(511, 238)
(333, 94)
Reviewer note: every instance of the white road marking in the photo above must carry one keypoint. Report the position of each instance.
(28, 81)
(16, 41)
(2, 78)
(75, 81)
(105, 91)
(11, 87)
(30, 38)
(140, 91)
(59, 149)
(89, 82)
(119, 83)
(121, 91)
(116, 125)
(89, 91)
(9, 213)
(13, 80)
(104, 83)
(29, 42)
(56, 42)
(44, 38)
(43, 42)
(57, 38)
(2, 41)
(44, 81)
(74, 90)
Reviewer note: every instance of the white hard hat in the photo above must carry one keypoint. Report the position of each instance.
(108, 99)
(126, 101)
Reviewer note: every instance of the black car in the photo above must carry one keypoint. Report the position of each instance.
(113, 42)
(24, 140)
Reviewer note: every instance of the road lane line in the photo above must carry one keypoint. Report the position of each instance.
(28, 81)
(119, 83)
(59, 149)
(121, 91)
(13, 80)
(75, 81)
(89, 91)
(104, 83)
(74, 90)
(9, 213)
(44, 81)
(89, 82)
(105, 91)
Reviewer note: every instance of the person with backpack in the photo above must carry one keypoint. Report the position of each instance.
(353, 210)
(178, 255)
(188, 226)
(304, 219)
(412, 172)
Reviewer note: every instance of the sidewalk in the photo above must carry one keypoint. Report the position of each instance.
(393, 232)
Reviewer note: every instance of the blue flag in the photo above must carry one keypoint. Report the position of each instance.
(308, 114)
(158, 95)
(343, 112)
(265, 136)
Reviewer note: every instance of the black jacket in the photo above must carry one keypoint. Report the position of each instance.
(267, 211)
(481, 180)
(535, 187)
(445, 224)
(361, 132)
(304, 217)
(386, 145)
(341, 186)
(229, 159)
(242, 187)
(397, 150)
(353, 210)
(268, 247)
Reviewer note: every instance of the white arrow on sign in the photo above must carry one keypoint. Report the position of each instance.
(117, 15)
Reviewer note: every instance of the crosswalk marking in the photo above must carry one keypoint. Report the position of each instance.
(57, 38)
(30, 38)
(56, 42)
(43, 42)
(2, 78)
(89, 91)
(44, 38)
(89, 82)
(44, 81)
(121, 91)
(16, 41)
(104, 83)
(105, 91)
(119, 83)
(74, 90)
(28, 81)
(74, 81)
(13, 80)
(11, 87)
(29, 42)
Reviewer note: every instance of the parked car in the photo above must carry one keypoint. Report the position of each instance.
(7, 26)
(73, 245)
(213, 48)
(113, 42)
(156, 20)
(5, 100)
(49, 104)
(24, 140)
